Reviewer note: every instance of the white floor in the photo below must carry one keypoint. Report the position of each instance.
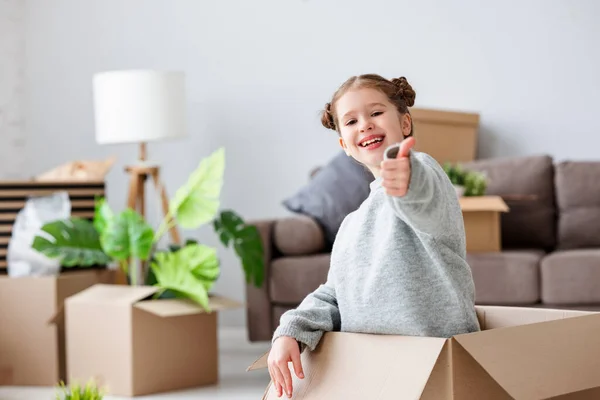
(236, 384)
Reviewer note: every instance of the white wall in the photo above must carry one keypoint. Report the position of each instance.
(12, 62)
(260, 71)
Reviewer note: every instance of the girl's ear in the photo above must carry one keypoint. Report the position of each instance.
(406, 124)
(343, 145)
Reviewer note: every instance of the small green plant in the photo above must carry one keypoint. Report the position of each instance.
(75, 391)
(474, 183)
(187, 271)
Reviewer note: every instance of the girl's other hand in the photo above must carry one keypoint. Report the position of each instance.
(285, 349)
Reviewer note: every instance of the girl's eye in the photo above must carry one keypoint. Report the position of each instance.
(376, 113)
(351, 122)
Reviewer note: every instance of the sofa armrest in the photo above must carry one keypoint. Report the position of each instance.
(258, 303)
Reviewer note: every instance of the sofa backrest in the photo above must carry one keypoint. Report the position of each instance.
(578, 202)
(527, 186)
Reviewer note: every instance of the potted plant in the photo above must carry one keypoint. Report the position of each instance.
(126, 238)
(466, 183)
(75, 391)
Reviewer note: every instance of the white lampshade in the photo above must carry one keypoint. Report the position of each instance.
(139, 106)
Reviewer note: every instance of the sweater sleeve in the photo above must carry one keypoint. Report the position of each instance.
(427, 205)
(318, 313)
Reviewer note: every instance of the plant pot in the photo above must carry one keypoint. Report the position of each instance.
(460, 190)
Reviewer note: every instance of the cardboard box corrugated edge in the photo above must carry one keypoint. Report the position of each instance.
(547, 333)
(136, 296)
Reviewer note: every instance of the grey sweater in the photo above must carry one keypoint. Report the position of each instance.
(398, 266)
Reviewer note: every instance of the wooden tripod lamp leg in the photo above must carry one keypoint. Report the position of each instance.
(165, 204)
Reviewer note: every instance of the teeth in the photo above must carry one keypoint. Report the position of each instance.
(368, 142)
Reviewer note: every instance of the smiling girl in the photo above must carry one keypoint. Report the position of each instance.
(398, 264)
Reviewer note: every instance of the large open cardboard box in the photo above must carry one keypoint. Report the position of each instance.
(521, 353)
(132, 344)
(32, 345)
(481, 215)
(448, 136)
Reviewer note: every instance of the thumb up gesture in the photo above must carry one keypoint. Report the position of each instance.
(395, 171)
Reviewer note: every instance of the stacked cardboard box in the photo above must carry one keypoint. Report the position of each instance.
(32, 335)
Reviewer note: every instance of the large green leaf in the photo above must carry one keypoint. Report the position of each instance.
(127, 235)
(246, 242)
(188, 272)
(75, 241)
(102, 215)
(197, 202)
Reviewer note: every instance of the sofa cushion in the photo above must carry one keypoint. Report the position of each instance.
(578, 201)
(506, 278)
(335, 191)
(527, 186)
(292, 278)
(571, 277)
(298, 235)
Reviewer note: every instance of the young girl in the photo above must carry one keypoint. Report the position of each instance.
(398, 264)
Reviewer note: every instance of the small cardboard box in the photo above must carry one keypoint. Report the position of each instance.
(448, 136)
(32, 345)
(520, 353)
(134, 345)
(481, 216)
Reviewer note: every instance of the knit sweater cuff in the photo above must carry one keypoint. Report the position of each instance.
(306, 339)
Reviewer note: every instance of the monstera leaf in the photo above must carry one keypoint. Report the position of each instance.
(246, 243)
(127, 235)
(188, 272)
(75, 241)
(197, 202)
(102, 215)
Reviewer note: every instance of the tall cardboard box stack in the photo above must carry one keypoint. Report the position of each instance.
(32, 339)
(520, 353)
(447, 136)
(132, 344)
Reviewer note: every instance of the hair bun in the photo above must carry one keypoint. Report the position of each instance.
(405, 90)
(327, 117)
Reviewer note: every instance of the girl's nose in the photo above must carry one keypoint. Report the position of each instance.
(366, 126)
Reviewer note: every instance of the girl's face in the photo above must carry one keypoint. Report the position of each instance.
(368, 124)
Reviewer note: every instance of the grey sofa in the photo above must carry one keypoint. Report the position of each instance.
(550, 244)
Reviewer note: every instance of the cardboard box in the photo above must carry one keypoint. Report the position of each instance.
(135, 345)
(448, 136)
(520, 353)
(481, 216)
(32, 346)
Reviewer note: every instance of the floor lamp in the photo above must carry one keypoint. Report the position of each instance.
(140, 106)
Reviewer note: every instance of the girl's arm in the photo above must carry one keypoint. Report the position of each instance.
(317, 313)
(430, 202)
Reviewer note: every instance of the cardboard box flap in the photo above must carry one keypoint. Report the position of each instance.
(494, 317)
(115, 294)
(178, 307)
(359, 366)
(219, 303)
(259, 363)
(483, 203)
(540, 360)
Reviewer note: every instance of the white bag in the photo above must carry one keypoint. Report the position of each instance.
(22, 259)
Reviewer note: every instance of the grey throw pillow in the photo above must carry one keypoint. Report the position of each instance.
(335, 191)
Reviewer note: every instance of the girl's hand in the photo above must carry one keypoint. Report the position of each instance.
(396, 172)
(285, 349)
